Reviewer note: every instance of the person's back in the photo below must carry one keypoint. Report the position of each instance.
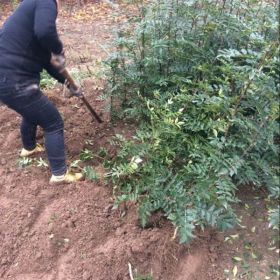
(28, 38)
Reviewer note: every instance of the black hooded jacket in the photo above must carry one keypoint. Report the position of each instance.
(27, 39)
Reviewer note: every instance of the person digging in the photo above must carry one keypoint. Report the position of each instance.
(29, 43)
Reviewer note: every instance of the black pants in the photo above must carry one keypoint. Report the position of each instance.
(36, 109)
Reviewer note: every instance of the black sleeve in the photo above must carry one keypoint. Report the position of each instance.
(55, 73)
(45, 26)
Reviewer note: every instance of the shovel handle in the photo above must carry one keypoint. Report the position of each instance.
(72, 83)
(70, 80)
(91, 109)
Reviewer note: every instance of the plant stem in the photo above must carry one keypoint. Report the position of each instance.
(248, 83)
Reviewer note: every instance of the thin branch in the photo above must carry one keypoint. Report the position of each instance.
(247, 85)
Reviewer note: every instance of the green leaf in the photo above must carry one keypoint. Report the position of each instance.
(237, 259)
(91, 174)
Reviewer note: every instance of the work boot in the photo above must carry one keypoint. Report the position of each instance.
(37, 149)
(67, 178)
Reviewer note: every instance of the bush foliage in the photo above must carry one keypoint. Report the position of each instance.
(202, 80)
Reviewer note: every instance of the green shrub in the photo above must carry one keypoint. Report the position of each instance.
(202, 79)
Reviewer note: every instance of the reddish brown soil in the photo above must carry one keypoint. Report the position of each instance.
(71, 232)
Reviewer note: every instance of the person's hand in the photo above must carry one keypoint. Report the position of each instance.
(74, 91)
(58, 60)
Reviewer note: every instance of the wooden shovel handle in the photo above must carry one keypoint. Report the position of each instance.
(70, 80)
(72, 83)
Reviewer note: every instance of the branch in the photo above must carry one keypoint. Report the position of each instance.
(247, 85)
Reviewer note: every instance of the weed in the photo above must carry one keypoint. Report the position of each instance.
(91, 174)
(41, 162)
(24, 162)
(102, 152)
(89, 142)
(86, 155)
(75, 164)
(143, 277)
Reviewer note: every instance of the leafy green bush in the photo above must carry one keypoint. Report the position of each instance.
(202, 79)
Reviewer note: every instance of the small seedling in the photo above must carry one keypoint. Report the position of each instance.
(86, 155)
(75, 164)
(89, 142)
(41, 162)
(24, 162)
(143, 277)
(275, 271)
(91, 174)
(102, 152)
(237, 259)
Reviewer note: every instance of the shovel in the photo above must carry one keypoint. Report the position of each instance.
(72, 83)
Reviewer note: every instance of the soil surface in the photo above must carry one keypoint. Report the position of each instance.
(72, 232)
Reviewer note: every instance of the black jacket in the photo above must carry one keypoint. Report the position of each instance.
(27, 39)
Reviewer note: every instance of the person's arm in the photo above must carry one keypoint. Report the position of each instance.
(45, 26)
(54, 73)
